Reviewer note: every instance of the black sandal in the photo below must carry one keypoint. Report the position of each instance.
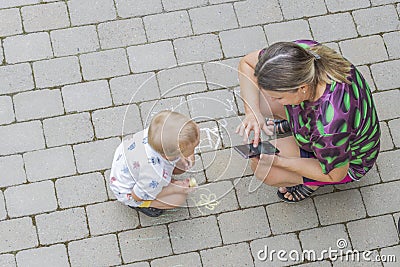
(151, 212)
(299, 193)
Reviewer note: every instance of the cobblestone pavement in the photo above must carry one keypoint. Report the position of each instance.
(71, 71)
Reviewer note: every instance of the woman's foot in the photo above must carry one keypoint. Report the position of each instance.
(296, 193)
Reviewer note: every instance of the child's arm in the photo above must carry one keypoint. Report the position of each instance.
(175, 187)
(184, 164)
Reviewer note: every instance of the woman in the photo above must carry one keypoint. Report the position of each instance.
(327, 105)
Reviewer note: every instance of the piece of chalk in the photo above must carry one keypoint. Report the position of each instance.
(192, 182)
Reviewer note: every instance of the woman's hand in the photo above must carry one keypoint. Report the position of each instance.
(253, 122)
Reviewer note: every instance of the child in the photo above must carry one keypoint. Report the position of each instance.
(142, 166)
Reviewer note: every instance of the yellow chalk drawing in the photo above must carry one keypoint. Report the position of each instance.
(208, 201)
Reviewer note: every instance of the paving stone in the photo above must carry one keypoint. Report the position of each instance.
(68, 129)
(381, 231)
(333, 208)
(1, 55)
(372, 177)
(121, 33)
(388, 253)
(21, 137)
(194, 234)
(171, 215)
(45, 17)
(190, 259)
(38, 104)
(251, 39)
(232, 255)
(16, 78)
(220, 1)
(171, 5)
(341, 26)
(385, 75)
(167, 26)
(13, 166)
(128, 8)
(387, 99)
(381, 2)
(145, 243)
(75, 40)
(387, 164)
(253, 12)
(30, 199)
(213, 18)
(316, 264)
(27, 47)
(221, 74)
(3, 212)
(182, 80)
(110, 217)
(210, 139)
(225, 164)
(7, 260)
(14, 3)
(364, 260)
(12, 240)
(96, 155)
(95, 251)
(110, 194)
(394, 126)
(343, 5)
(152, 56)
(364, 50)
(236, 227)
(134, 88)
(384, 194)
(117, 121)
(58, 71)
(215, 104)
(6, 110)
(287, 31)
(376, 20)
(53, 162)
(366, 73)
(392, 42)
(307, 8)
(262, 248)
(138, 264)
(78, 97)
(104, 64)
(46, 256)
(386, 139)
(285, 218)
(197, 48)
(62, 226)
(11, 22)
(228, 131)
(91, 11)
(80, 190)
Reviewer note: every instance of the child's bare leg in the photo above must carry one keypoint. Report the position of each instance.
(169, 202)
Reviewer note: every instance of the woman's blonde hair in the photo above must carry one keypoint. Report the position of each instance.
(171, 132)
(285, 66)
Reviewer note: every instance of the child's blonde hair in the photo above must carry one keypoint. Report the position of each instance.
(171, 132)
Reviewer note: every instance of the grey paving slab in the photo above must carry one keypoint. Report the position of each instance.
(7, 260)
(251, 39)
(243, 225)
(127, 8)
(116, 121)
(341, 5)
(109, 217)
(381, 229)
(16, 78)
(376, 20)
(385, 74)
(394, 126)
(45, 17)
(341, 26)
(95, 251)
(372, 177)
(28, 134)
(308, 8)
(381, 2)
(138, 264)
(13, 240)
(3, 211)
(213, 18)
(80, 190)
(195, 234)
(38, 104)
(171, 215)
(62, 226)
(63, 130)
(96, 155)
(171, 5)
(210, 138)
(13, 166)
(284, 218)
(368, 260)
(287, 31)
(104, 64)
(58, 71)
(197, 48)
(121, 33)
(7, 111)
(221, 74)
(385, 195)
(11, 19)
(110, 194)
(14, 3)
(228, 131)
(387, 256)
(73, 41)
(233, 255)
(153, 56)
(53, 162)
(145, 243)
(392, 40)
(253, 12)
(190, 259)
(91, 11)
(47, 256)
(27, 47)
(387, 99)
(387, 163)
(316, 264)
(77, 97)
(386, 140)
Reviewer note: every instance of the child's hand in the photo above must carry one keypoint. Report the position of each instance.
(182, 186)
